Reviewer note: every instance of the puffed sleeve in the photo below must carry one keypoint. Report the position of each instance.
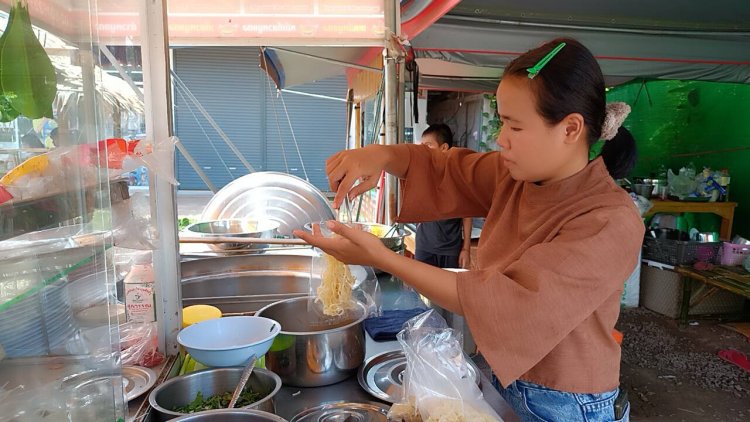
(457, 183)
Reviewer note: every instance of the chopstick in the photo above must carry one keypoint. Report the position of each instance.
(248, 240)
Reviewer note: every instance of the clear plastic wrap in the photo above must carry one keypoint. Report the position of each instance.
(438, 386)
(22, 404)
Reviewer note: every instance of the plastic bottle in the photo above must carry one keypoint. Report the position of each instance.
(139, 289)
(724, 181)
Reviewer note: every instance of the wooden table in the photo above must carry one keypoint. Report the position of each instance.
(733, 279)
(725, 210)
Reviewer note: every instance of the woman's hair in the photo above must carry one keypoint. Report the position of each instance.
(572, 82)
(620, 154)
(442, 132)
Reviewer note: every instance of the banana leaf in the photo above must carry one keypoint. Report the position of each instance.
(7, 112)
(27, 75)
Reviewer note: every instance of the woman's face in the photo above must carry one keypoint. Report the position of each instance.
(533, 150)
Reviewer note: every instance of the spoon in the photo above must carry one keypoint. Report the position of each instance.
(243, 380)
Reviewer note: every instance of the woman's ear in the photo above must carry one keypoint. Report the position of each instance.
(574, 127)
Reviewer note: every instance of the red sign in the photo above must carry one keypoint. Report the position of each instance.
(191, 19)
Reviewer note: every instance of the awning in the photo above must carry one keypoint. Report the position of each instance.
(637, 39)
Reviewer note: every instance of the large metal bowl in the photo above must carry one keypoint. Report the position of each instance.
(308, 352)
(231, 415)
(180, 391)
(235, 228)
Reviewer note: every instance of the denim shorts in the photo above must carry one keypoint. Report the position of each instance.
(536, 403)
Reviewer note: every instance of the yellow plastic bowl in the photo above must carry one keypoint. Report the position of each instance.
(197, 313)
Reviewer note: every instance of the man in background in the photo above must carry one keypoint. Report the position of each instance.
(444, 243)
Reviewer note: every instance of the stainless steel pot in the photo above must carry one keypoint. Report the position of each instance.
(310, 353)
(180, 391)
(231, 415)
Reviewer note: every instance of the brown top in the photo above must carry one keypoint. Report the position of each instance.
(552, 263)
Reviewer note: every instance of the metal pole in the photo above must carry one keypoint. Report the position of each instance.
(390, 59)
(158, 103)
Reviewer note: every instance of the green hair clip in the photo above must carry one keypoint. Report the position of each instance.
(533, 71)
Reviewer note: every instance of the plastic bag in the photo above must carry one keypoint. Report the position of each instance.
(159, 160)
(364, 290)
(139, 344)
(131, 223)
(681, 186)
(438, 386)
(643, 204)
(362, 287)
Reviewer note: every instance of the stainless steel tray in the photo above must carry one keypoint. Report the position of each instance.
(280, 197)
(383, 375)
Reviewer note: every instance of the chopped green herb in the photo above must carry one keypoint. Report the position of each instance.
(219, 401)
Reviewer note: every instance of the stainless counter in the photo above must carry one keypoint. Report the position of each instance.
(290, 400)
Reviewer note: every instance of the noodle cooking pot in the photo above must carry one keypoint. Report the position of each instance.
(311, 351)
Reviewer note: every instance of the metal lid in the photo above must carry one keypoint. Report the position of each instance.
(137, 380)
(344, 412)
(280, 197)
(383, 375)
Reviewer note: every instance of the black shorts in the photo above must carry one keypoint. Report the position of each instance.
(442, 261)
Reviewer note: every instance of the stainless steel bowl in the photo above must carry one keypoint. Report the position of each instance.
(394, 241)
(309, 352)
(236, 228)
(643, 190)
(180, 391)
(231, 415)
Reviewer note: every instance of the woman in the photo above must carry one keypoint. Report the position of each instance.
(559, 241)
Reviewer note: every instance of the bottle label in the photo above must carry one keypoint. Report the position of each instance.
(139, 302)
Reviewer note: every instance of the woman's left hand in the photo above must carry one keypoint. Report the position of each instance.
(351, 246)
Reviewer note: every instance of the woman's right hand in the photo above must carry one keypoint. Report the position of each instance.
(365, 165)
